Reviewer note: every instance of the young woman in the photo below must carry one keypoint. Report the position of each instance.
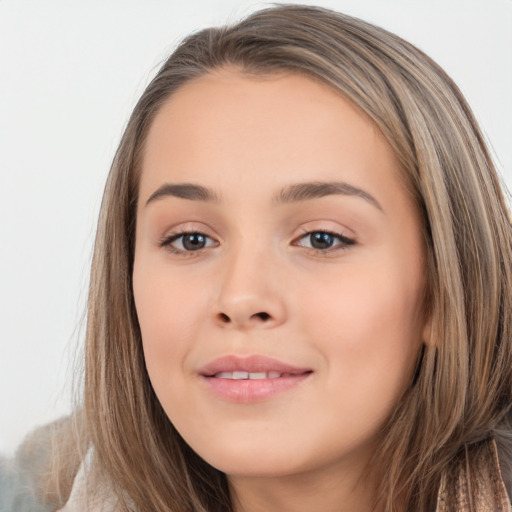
(300, 294)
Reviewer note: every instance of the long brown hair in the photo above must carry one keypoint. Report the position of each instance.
(461, 394)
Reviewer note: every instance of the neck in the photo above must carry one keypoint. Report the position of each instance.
(330, 491)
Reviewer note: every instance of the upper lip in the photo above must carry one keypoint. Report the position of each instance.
(252, 363)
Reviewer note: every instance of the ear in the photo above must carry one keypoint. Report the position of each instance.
(427, 333)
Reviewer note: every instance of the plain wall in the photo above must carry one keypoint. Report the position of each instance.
(70, 73)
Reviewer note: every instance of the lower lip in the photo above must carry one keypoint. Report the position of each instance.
(246, 391)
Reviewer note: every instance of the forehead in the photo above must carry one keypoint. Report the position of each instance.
(254, 103)
(228, 128)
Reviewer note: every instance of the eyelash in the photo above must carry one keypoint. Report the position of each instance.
(343, 242)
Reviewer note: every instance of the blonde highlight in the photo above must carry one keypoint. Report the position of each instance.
(462, 391)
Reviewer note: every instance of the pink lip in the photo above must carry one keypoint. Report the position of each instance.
(248, 390)
(253, 363)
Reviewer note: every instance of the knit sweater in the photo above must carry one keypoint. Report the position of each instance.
(478, 488)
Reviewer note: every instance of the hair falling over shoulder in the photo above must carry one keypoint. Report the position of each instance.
(462, 392)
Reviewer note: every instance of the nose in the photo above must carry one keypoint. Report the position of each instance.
(251, 294)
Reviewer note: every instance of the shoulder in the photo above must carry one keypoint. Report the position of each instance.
(504, 449)
(22, 476)
(474, 482)
(39, 477)
(85, 493)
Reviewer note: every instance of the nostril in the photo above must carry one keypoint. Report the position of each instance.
(262, 315)
(226, 319)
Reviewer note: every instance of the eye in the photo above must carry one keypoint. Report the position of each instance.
(187, 242)
(324, 241)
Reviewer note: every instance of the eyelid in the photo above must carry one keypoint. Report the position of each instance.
(186, 227)
(174, 234)
(177, 236)
(344, 241)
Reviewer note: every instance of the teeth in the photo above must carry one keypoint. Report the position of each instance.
(257, 375)
(224, 375)
(240, 375)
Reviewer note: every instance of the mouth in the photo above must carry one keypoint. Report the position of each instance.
(251, 379)
(244, 375)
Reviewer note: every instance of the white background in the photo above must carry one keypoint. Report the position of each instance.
(70, 73)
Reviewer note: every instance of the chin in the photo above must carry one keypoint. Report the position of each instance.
(254, 461)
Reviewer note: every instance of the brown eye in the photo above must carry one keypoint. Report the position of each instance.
(325, 240)
(187, 242)
(321, 240)
(193, 241)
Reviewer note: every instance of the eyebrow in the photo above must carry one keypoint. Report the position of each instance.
(289, 194)
(317, 189)
(184, 191)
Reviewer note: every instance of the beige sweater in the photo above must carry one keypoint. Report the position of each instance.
(477, 489)
(80, 499)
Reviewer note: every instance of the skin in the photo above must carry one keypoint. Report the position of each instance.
(351, 313)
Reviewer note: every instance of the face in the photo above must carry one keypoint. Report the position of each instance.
(278, 274)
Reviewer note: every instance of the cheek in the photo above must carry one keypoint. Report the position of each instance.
(169, 313)
(367, 325)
